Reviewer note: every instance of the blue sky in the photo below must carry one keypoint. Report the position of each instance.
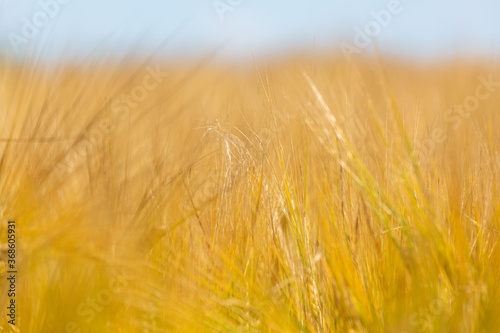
(421, 29)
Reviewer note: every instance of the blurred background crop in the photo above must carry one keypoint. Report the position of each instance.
(156, 187)
(421, 30)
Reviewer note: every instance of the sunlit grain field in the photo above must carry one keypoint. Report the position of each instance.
(309, 196)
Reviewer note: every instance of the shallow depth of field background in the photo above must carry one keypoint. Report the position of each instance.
(222, 185)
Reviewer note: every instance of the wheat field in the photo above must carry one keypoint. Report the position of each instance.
(297, 196)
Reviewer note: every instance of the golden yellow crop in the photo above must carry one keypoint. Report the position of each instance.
(299, 197)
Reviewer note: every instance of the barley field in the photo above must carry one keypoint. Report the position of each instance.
(297, 196)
